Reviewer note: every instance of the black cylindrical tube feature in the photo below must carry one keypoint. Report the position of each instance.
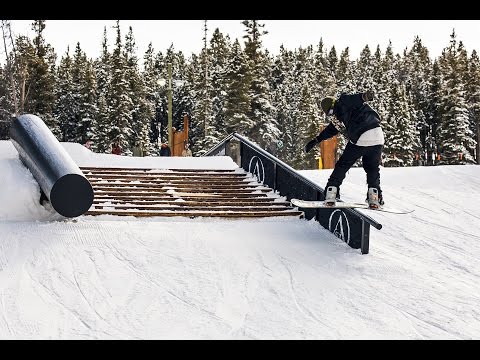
(59, 177)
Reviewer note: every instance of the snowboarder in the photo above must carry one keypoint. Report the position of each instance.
(355, 119)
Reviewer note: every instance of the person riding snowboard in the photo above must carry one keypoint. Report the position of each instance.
(355, 119)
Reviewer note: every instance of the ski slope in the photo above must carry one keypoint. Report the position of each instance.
(178, 278)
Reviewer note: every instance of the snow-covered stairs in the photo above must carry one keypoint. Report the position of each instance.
(182, 192)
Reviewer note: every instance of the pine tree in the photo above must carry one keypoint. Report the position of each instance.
(219, 48)
(238, 98)
(37, 77)
(152, 97)
(332, 68)
(401, 140)
(102, 69)
(118, 99)
(293, 132)
(78, 78)
(344, 73)
(308, 125)
(207, 132)
(435, 108)
(309, 115)
(387, 76)
(142, 109)
(473, 98)
(325, 79)
(5, 104)
(88, 107)
(418, 83)
(264, 130)
(365, 70)
(454, 133)
(283, 88)
(65, 105)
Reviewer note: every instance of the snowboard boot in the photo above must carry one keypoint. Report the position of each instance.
(374, 198)
(331, 196)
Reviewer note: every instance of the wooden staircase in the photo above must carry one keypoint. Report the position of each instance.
(182, 192)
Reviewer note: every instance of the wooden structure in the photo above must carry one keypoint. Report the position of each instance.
(328, 152)
(182, 192)
(180, 137)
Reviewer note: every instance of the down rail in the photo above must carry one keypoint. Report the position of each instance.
(349, 225)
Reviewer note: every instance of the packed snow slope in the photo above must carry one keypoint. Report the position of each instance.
(178, 278)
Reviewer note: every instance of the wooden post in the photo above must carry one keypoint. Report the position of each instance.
(179, 137)
(328, 151)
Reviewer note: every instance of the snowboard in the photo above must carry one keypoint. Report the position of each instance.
(312, 204)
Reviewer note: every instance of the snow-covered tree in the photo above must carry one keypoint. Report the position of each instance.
(238, 99)
(265, 127)
(118, 100)
(454, 133)
(473, 98)
(65, 104)
(102, 69)
(401, 140)
(142, 109)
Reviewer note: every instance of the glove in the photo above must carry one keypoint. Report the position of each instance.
(310, 145)
(368, 95)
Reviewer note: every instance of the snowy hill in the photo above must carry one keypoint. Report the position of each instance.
(126, 278)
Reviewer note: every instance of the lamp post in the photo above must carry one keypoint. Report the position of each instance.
(162, 82)
(170, 132)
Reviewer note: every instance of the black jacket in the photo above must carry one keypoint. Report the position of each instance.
(165, 151)
(355, 114)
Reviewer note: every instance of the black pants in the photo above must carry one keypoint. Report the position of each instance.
(371, 158)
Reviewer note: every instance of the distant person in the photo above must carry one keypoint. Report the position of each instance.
(186, 149)
(116, 149)
(88, 144)
(165, 150)
(360, 124)
(138, 149)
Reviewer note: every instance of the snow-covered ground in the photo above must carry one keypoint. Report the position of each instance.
(178, 278)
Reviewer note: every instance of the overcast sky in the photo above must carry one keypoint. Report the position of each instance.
(186, 35)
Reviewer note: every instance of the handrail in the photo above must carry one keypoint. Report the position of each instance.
(288, 168)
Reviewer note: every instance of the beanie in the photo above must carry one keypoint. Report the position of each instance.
(327, 104)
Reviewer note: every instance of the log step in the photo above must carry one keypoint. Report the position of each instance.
(174, 207)
(165, 189)
(196, 202)
(192, 214)
(146, 186)
(96, 168)
(185, 182)
(163, 177)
